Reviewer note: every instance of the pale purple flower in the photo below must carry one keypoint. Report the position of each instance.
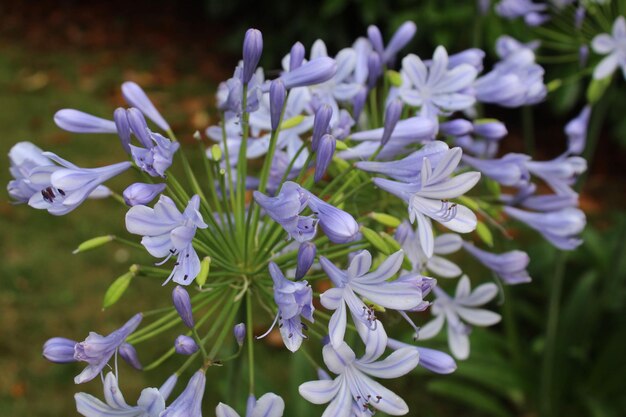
(315, 71)
(460, 312)
(338, 225)
(576, 131)
(559, 173)
(182, 304)
(471, 56)
(269, 405)
(150, 404)
(63, 187)
(59, 350)
(399, 40)
(324, 155)
(239, 331)
(357, 280)
(444, 244)
(306, 257)
(185, 345)
(97, 350)
(277, 101)
(490, 129)
(431, 359)
(559, 227)
(507, 46)
(294, 300)
(296, 56)
(456, 127)
(392, 115)
(374, 69)
(533, 13)
(510, 170)
(77, 121)
(157, 156)
(24, 157)
(321, 124)
(141, 193)
(526, 198)
(614, 46)
(189, 402)
(429, 197)
(230, 94)
(129, 354)
(354, 383)
(436, 89)
(167, 232)
(136, 97)
(252, 49)
(509, 266)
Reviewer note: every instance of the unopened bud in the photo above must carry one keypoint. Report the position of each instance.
(306, 257)
(129, 354)
(185, 345)
(240, 333)
(182, 303)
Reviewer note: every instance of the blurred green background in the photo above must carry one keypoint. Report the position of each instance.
(559, 350)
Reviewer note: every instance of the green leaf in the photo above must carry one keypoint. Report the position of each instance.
(484, 234)
(117, 289)
(597, 88)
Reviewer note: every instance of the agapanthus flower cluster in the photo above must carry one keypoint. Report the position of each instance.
(338, 194)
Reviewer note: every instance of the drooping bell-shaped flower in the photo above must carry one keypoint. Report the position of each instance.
(614, 46)
(457, 310)
(509, 266)
(97, 350)
(189, 402)
(269, 405)
(559, 173)
(576, 131)
(354, 382)
(167, 232)
(559, 227)
(294, 300)
(510, 170)
(431, 359)
(136, 97)
(150, 404)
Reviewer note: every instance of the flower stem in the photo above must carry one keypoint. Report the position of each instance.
(250, 337)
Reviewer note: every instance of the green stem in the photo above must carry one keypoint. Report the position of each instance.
(250, 339)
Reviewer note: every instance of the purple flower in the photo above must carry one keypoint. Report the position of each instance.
(252, 49)
(353, 382)
(510, 170)
(490, 129)
(392, 115)
(269, 405)
(531, 12)
(472, 56)
(296, 56)
(614, 46)
(443, 245)
(157, 152)
(230, 94)
(141, 193)
(294, 300)
(321, 124)
(24, 157)
(429, 197)
(182, 304)
(462, 308)
(374, 69)
(150, 404)
(576, 131)
(77, 121)
(306, 257)
(399, 40)
(509, 266)
(167, 232)
(189, 402)
(324, 156)
(277, 101)
(357, 280)
(456, 127)
(185, 345)
(239, 331)
(436, 89)
(338, 225)
(136, 97)
(431, 359)
(59, 350)
(63, 188)
(560, 173)
(313, 72)
(97, 350)
(559, 227)
(129, 354)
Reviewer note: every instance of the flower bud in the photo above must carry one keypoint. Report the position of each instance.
(93, 243)
(358, 103)
(323, 114)
(139, 127)
(579, 16)
(185, 345)
(168, 386)
(456, 127)
(136, 97)
(324, 156)
(140, 193)
(376, 38)
(129, 354)
(277, 101)
(490, 129)
(313, 72)
(205, 267)
(296, 56)
(374, 67)
(306, 256)
(403, 35)
(252, 49)
(59, 350)
(240, 333)
(123, 128)
(392, 115)
(583, 56)
(339, 226)
(182, 303)
(80, 122)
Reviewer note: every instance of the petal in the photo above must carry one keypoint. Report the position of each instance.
(342, 404)
(443, 267)
(459, 343)
(477, 316)
(432, 328)
(603, 44)
(606, 67)
(182, 236)
(399, 363)
(451, 188)
(337, 325)
(388, 268)
(462, 288)
(457, 79)
(338, 358)
(269, 405)
(425, 233)
(336, 275)
(319, 392)
(447, 243)
(414, 69)
(141, 220)
(360, 264)
(158, 246)
(112, 394)
(90, 406)
(375, 339)
(481, 295)
(332, 298)
(151, 401)
(388, 402)
(396, 295)
(223, 410)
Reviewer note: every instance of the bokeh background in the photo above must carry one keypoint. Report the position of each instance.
(559, 351)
